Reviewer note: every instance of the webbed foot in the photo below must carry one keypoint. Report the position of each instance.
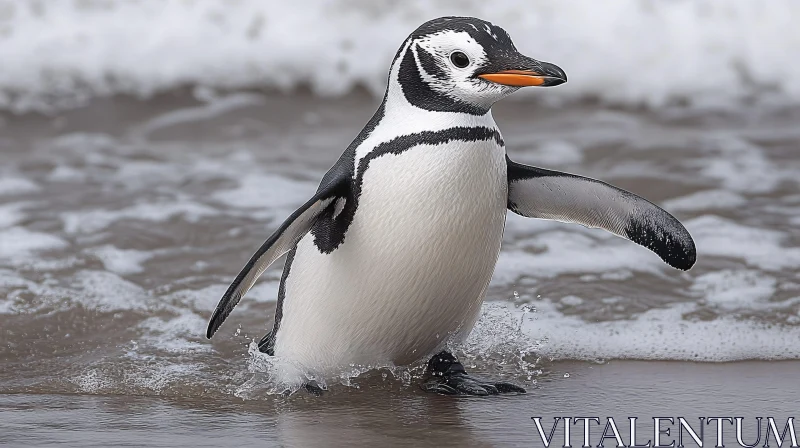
(448, 377)
(313, 388)
(267, 344)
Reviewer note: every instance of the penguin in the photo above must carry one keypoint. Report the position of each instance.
(389, 262)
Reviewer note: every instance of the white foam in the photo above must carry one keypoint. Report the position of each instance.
(19, 242)
(266, 191)
(95, 220)
(716, 236)
(60, 53)
(9, 280)
(11, 214)
(16, 185)
(91, 289)
(741, 166)
(64, 173)
(275, 375)
(13, 286)
(161, 377)
(204, 299)
(121, 261)
(658, 334)
(179, 334)
(106, 291)
(736, 289)
(571, 300)
(93, 381)
(149, 377)
(706, 200)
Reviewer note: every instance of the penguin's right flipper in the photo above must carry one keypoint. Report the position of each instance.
(547, 194)
(280, 242)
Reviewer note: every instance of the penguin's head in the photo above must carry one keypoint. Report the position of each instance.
(464, 64)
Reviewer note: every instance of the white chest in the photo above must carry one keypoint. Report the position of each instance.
(414, 265)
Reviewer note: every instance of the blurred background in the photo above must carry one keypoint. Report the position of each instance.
(147, 148)
(628, 52)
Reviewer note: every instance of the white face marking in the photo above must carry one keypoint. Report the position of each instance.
(461, 84)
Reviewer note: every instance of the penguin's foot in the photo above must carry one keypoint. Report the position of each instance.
(267, 345)
(313, 388)
(448, 377)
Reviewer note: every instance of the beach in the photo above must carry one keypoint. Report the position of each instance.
(126, 220)
(381, 414)
(147, 149)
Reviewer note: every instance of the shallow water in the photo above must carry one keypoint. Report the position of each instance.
(376, 416)
(122, 223)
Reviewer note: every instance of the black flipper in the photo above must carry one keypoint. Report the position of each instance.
(546, 194)
(448, 377)
(282, 241)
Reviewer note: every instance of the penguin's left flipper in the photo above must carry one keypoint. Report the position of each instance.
(547, 194)
(283, 240)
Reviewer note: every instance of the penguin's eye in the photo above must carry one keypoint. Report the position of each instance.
(459, 59)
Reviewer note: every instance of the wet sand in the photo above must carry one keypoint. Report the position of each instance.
(377, 415)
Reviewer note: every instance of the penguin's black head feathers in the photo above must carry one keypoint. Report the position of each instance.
(465, 64)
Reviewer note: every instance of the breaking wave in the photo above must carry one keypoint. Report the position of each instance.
(709, 53)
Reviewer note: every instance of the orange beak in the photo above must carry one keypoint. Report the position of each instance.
(522, 71)
(516, 78)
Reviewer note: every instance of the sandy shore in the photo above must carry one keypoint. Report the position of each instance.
(381, 415)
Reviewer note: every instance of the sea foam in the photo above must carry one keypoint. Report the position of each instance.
(707, 52)
(658, 334)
